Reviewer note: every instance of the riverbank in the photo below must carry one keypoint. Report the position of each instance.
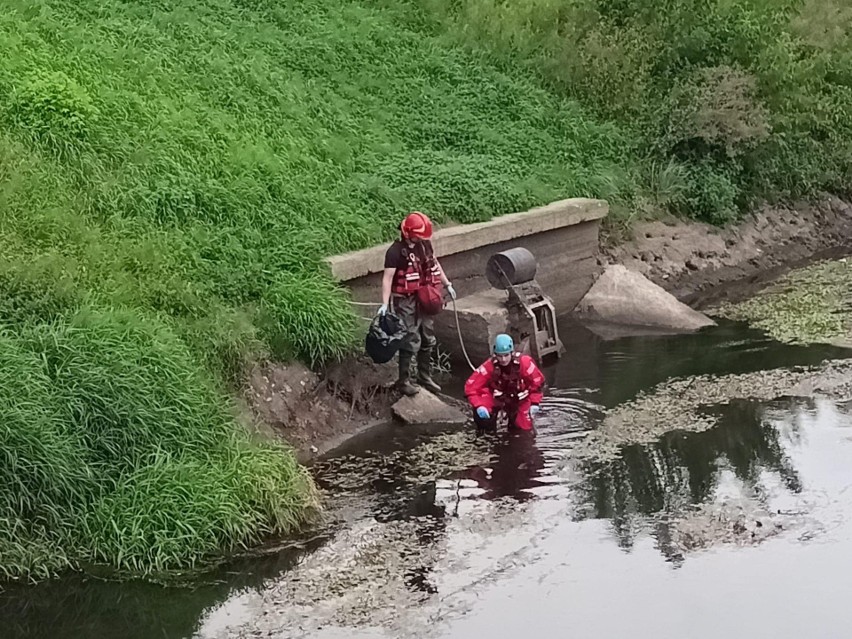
(440, 522)
(702, 264)
(698, 263)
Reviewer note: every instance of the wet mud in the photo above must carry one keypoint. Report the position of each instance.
(702, 264)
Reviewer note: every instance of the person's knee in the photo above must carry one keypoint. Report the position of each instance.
(521, 420)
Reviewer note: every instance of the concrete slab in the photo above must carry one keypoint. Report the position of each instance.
(426, 408)
(624, 297)
(481, 318)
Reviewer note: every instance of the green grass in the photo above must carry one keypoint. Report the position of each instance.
(116, 448)
(742, 100)
(204, 158)
(172, 174)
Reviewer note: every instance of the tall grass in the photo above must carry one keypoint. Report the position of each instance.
(171, 175)
(116, 448)
(750, 98)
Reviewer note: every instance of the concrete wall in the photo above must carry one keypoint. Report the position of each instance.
(563, 236)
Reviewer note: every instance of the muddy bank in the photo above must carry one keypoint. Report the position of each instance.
(697, 262)
(314, 412)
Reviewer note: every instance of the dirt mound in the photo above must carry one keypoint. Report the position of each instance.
(315, 413)
(695, 261)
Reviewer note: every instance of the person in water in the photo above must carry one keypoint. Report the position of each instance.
(508, 381)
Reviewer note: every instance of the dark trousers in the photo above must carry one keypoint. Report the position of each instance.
(420, 340)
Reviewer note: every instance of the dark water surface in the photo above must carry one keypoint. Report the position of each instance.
(741, 530)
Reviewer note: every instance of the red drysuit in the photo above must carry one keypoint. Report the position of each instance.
(513, 388)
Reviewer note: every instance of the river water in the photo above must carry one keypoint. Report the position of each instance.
(744, 528)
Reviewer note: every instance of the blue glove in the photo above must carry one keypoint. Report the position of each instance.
(383, 309)
(534, 410)
(451, 290)
(482, 413)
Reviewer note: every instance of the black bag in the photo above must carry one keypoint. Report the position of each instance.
(384, 337)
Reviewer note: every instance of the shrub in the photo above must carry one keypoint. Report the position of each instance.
(715, 111)
(761, 89)
(53, 108)
(712, 193)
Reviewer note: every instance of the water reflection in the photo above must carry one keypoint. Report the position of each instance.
(616, 370)
(515, 469)
(648, 485)
(76, 607)
(417, 505)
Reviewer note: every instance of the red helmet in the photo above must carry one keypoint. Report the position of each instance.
(416, 226)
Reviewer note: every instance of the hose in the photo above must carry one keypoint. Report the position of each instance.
(461, 340)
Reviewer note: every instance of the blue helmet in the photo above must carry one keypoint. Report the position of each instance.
(503, 344)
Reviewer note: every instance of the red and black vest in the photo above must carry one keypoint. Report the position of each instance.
(509, 386)
(419, 270)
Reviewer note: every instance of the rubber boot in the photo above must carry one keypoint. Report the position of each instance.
(404, 384)
(424, 370)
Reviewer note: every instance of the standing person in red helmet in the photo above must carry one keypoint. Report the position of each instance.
(411, 287)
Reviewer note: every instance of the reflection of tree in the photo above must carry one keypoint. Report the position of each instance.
(514, 466)
(397, 485)
(402, 501)
(82, 607)
(684, 468)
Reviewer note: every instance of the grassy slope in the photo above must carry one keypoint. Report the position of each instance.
(222, 149)
(170, 176)
(728, 101)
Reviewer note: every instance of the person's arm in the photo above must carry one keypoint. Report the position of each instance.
(476, 388)
(392, 257)
(445, 280)
(533, 377)
(387, 284)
